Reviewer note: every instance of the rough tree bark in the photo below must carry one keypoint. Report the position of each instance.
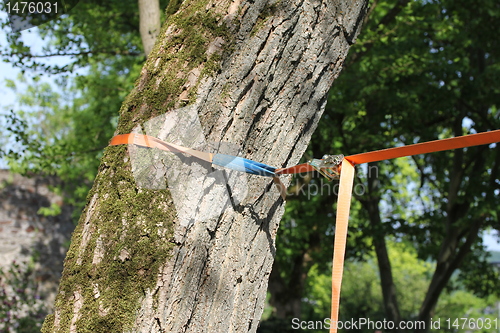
(258, 74)
(149, 23)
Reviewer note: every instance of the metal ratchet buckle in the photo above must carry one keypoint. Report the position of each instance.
(328, 166)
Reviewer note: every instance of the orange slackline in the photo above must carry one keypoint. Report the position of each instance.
(345, 192)
(152, 142)
(427, 147)
(305, 167)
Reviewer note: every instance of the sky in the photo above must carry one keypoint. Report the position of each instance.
(9, 72)
(6, 72)
(7, 98)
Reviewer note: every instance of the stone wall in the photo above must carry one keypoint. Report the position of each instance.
(25, 234)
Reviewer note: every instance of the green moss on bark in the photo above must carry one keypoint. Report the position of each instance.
(133, 228)
(267, 12)
(166, 72)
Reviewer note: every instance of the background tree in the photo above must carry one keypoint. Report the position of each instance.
(149, 14)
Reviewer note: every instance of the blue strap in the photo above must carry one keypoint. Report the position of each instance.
(244, 165)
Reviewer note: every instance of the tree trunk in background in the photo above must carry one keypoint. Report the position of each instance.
(286, 298)
(384, 264)
(257, 74)
(149, 23)
(459, 236)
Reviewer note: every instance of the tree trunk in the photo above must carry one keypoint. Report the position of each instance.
(461, 232)
(149, 23)
(257, 75)
(449, 260)
(286, 298)
(387, 282)
(286, 294)
(384, 264)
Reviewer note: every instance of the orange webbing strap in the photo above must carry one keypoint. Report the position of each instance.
(281, 187)
(345, 192)
(343, 208)
(304, 167)
(427, 147)
(152, 142)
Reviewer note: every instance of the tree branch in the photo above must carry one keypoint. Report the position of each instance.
(59, 54)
